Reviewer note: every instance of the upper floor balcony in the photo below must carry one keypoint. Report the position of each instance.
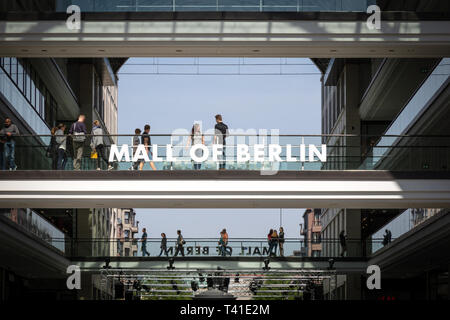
(267, 153)
(261, 171)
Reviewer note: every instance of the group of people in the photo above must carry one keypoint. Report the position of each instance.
(78, 133)
(63, 145)
(179, 247)
(58, 147)
(275, 239)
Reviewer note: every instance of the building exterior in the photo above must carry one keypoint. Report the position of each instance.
(378, 114)
(38, 94)
(124, 228)
(312, 232)
(382, 102)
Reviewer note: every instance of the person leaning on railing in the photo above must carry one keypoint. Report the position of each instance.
(98, 145)
(281, 241)
(61, 140)
(52, 150)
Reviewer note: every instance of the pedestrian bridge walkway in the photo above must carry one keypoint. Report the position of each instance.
(225, 189)
(229, 264)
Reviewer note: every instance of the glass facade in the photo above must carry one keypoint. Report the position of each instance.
(32, 222)
(27, 93)
(418, 104)
(217, 5)
(403, 223)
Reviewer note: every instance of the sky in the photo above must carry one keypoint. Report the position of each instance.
(176, 97)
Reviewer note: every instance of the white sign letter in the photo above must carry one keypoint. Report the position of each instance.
(242, 153)
(194, 149)
(116, 154)
(274, 152)
(314, 151)
(141, 154)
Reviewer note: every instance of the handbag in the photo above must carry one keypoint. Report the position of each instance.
(94, 155)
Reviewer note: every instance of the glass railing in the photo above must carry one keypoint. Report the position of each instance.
(216, 5)
(403, 223)
(247, 152)
(421, 100)
(30, 221)
(206, 247)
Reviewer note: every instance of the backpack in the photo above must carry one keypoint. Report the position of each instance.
(77, 136)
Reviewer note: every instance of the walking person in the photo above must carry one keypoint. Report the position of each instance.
(144, 243)
(147, 142)
(98, 145)
(136, 142)
(7, 135)
(78, 131)
(196, 138)
(281, 241)
(61, 140)
(220, 135)
(179, 248)
(343, 242)
(222, 244)
(163, 245)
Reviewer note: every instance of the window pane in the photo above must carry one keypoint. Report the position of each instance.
(14, 69)
(7, 65)
(20, 76)
(33, 88)
(28, 82)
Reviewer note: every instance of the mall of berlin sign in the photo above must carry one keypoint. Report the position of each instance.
(201, 153)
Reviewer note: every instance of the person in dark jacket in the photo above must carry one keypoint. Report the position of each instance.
(180, 244)
(78, 131)
(7, 135)
(163, 245)
(387, 238)
(220, 135)
(281, 241)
